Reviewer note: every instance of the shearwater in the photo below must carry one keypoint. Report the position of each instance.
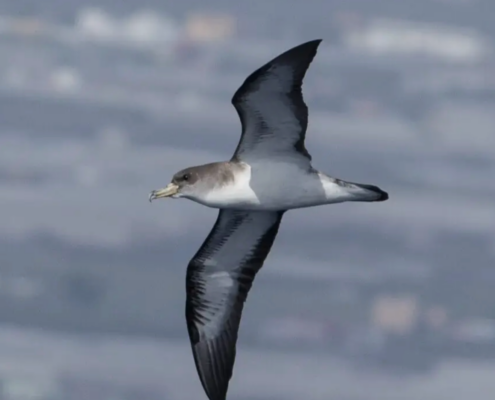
(269, 173)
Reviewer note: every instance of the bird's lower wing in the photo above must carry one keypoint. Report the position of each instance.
(219, 278)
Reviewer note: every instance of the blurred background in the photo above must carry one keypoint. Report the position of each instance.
(102, 101)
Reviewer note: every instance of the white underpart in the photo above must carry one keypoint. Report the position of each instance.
(238, 195)
(278, 186)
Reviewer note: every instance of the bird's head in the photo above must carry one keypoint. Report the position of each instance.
(198, 183)
(184, 183)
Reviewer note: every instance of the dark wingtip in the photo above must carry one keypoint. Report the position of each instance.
(316, 41)
(311, 45)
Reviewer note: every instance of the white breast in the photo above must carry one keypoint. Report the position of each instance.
(237, 195)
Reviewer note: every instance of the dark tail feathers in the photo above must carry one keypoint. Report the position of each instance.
(382, 196)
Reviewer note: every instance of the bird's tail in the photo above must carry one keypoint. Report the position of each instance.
(368, 193)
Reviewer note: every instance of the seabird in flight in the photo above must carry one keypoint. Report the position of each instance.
(269, 173)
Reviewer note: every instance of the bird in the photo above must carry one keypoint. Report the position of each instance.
(269, 173)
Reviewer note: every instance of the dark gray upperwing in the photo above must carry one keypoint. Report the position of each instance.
(271, 107)
(219, 278)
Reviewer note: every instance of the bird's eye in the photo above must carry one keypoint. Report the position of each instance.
(186, 177)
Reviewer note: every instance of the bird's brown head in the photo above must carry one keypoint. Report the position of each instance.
(195, 183)
(182, 184)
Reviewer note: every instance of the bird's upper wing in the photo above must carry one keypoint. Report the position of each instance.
(218, 281)
(271, 107)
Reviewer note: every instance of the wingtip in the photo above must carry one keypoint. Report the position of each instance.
(311, 47)
(313, 43)
(305, 51)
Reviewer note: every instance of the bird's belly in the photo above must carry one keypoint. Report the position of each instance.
(240, 197)
(290, 197)
(264, 193)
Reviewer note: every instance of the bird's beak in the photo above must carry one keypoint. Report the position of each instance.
(167, 191)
